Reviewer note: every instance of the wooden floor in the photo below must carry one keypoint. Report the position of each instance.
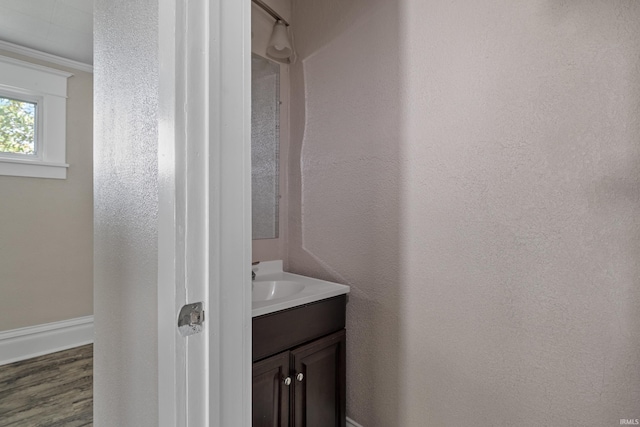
(54, 390)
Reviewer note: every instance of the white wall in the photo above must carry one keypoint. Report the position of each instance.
(471, 170)
(46, 236)
(126, 206)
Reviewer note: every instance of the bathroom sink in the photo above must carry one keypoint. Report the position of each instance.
(266, 290)
(275, 290)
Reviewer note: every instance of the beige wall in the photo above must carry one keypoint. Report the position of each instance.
(46, 227)
(471, 170)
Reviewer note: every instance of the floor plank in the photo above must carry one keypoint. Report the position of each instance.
(55, 390)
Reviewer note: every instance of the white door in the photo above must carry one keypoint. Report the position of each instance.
(204, 239)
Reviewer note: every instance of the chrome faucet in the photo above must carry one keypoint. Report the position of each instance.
(253, 273)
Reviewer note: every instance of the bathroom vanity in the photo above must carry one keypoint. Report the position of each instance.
(299, 350)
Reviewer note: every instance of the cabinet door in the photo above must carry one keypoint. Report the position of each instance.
(270, 395)
(320, 382)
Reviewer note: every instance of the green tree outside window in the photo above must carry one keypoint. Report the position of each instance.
(17, 126)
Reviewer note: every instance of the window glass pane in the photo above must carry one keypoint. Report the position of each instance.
(17, 126)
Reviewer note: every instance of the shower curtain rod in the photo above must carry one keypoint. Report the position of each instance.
(270, 11)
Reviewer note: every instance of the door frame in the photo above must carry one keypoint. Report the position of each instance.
(204, 233)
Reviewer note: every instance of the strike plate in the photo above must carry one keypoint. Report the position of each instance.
(190, 319)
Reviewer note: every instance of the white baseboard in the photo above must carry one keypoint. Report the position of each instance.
(351, 423)
(33, 341)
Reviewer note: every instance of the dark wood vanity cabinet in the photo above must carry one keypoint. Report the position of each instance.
(305, 384)
(319, 398)
(270, 394)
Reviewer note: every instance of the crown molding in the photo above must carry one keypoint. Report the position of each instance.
(41, 68)
(43, 56)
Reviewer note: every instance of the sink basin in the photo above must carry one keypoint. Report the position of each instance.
(275, 290)
(266, 290)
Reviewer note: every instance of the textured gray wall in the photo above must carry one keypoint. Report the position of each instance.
(125, 206)
(471, 169)
(46, 243)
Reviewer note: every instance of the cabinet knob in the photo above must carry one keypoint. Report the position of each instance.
(299, 377)
(287, 381)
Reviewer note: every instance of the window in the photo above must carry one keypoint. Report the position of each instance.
(17, 126)
(32, 120)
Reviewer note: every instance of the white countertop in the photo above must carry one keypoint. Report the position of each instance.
(314, 289)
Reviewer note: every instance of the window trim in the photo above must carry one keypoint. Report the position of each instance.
(48, 87)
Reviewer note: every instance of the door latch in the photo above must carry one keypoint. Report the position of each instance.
(190, 319)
